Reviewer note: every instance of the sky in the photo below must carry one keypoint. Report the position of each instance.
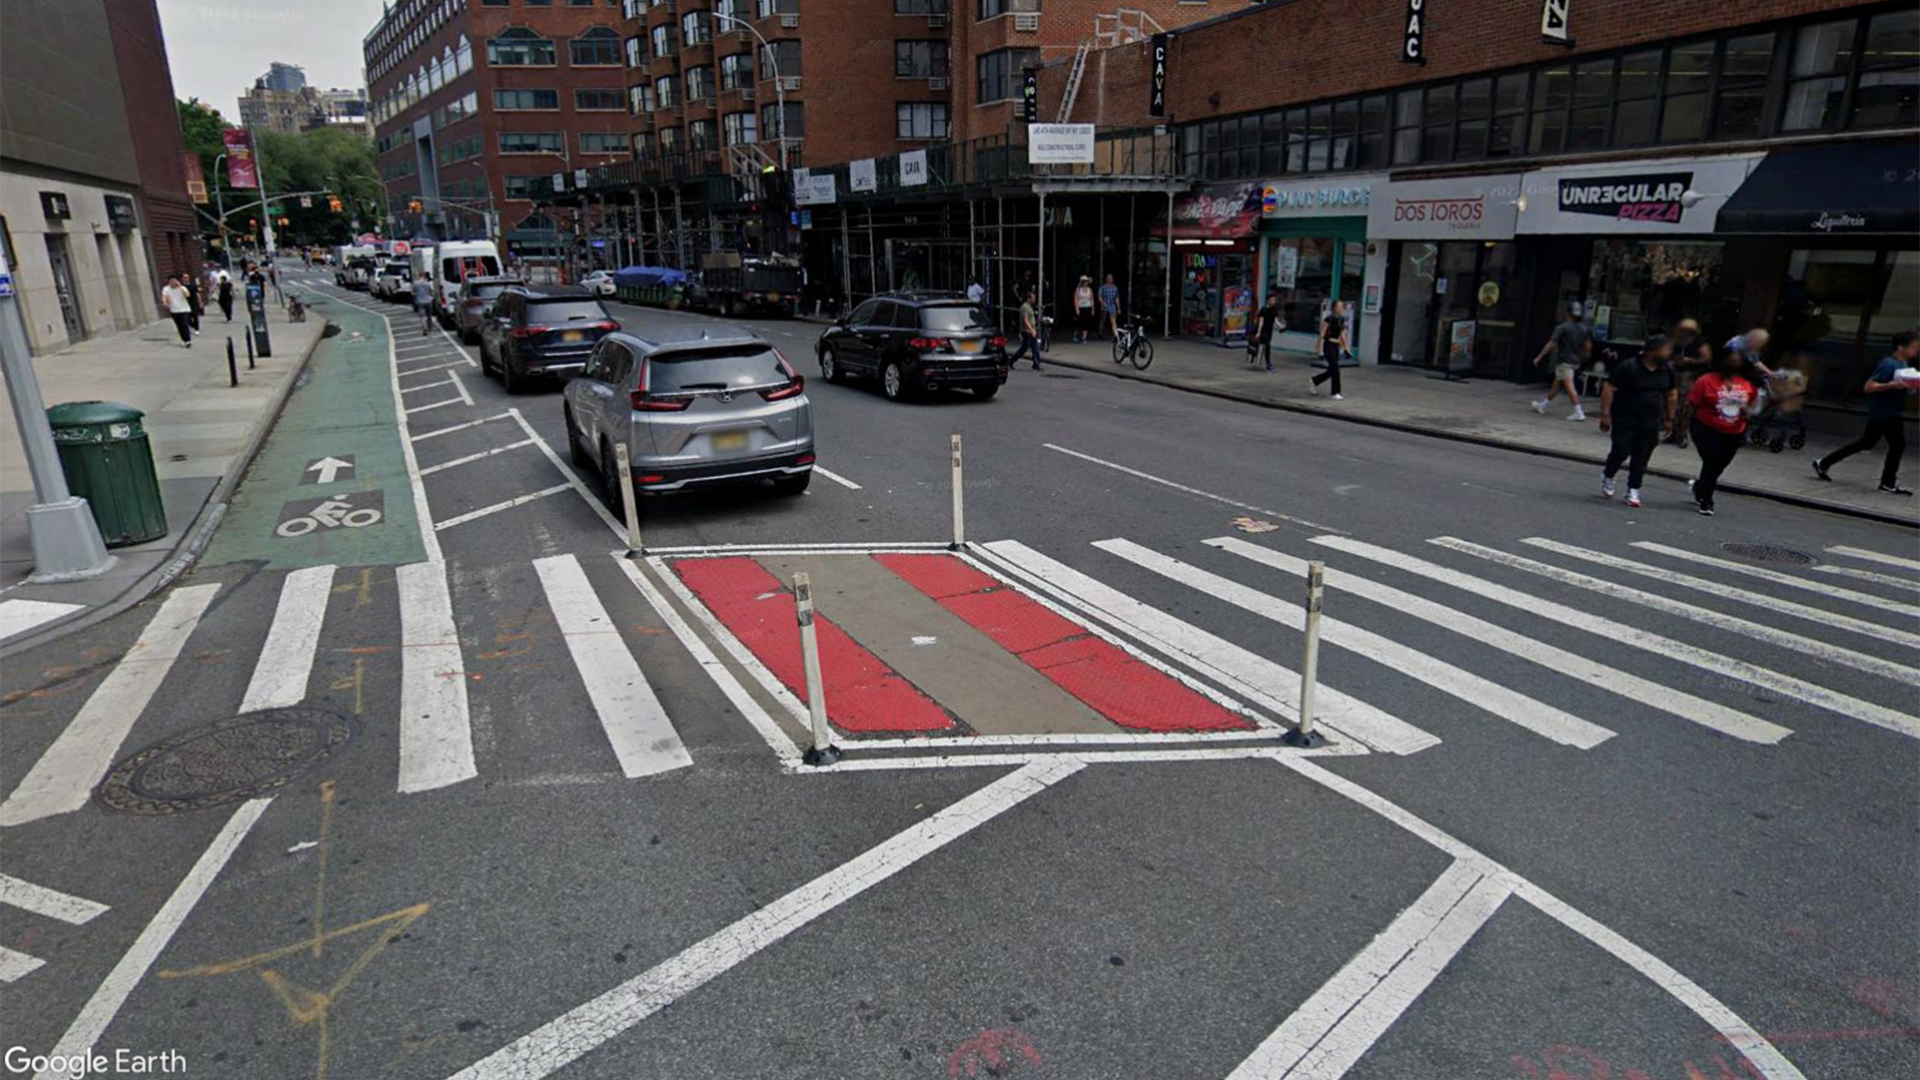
(218, 47)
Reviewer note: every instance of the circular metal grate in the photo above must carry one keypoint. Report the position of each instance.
(1766, 552)
(225, 761)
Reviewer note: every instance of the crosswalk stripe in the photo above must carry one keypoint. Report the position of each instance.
(1606, 677)
(1341, 1021)
(1875, 556)
(1866, 575)
(1833, 654)
(13, 964)
(1822, 587)
(1510, 705)
(436, 732)
(60, 781)
(643, 738)
(20, 616)
(1834, 701)
(51, 903)
(286, 660)
(1252, 676)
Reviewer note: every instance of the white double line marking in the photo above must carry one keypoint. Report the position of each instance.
(1564, 661)
(59, 782)
(1823, 588)
(643, 739)
(1510, 705)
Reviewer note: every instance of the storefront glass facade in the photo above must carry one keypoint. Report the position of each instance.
(1457, 304)
(1641, 287)
(1838, 310)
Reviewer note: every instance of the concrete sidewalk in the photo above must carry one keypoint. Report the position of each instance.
(1491, 412)
(203, 432)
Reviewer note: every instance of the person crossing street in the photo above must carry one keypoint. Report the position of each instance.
(1721, 400)
(1636, 406)
(1886, 408)
(1029, 332)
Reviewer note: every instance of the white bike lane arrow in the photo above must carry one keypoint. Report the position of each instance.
(328, 469)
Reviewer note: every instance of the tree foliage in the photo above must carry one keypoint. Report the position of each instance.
(335, 160)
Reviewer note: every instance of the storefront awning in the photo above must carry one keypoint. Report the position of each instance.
(1833, 190)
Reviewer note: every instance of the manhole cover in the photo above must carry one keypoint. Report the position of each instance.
(225, 761)
(1766, 552)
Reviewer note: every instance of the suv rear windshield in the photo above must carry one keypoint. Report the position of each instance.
(484, 292)
(955, 320)
(725, 367)
(564, 309)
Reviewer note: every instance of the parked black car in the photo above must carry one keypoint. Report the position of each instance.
(473, 302)
(915, 341)
(533, 331)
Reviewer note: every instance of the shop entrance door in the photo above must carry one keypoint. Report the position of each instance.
(61, 261)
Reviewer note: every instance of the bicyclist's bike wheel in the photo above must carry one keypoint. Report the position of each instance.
(1142, 352)
(1120, 347)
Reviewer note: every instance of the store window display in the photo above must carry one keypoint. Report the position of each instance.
(1636, 288)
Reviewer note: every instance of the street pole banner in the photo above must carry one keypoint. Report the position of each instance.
(913, 168)
(241, 171)
(1059, 144)
(196, 177)
(861, 176)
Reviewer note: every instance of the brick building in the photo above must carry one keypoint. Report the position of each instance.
(474, 100)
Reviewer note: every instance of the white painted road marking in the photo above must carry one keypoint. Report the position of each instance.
(836, 478)
(104, 1005)
(1866, 575)
(422, 513)
(51, 903)
(437, 405)
(286, 660)
(20, 616)
(423, 436)
(61, 780)
(1510, 705)
(1192, 490)
(1344, 1018)
(1574, 665)
(16, 965)
(1254, 677)
(1623, 634)
(436, 733)
(517, 500)
(553, 1045)
(1827, 589)
(1875, 556)
(642, 736)
(431, 469)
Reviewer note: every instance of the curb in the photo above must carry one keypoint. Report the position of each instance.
(195, 537)
(1481, 440)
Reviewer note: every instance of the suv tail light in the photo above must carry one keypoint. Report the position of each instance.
(997, 341)
(608, 325)
(794, 388)
(644, 401)
(527, 331)
(927, 344)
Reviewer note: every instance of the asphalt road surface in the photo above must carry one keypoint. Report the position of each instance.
(418, 775)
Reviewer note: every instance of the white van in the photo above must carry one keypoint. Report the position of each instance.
(455, 261)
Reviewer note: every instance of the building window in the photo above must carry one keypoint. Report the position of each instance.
(739, 128)
(602, 142)
(636, 51)
(920, 59)
(663, 95)
(530, 142)
(639, 99)
(699, 136)
(663, 41)
(1889, 91)
(516, 186)
(1739, 102)
(763, 9)
(508, 100)
(780, 60)
(699, 83)
(919, 7)
(796, 127)
(728, 14)
(1683, 113)
(669, 141)
(519, 47)
(920, 120)
(538, 3)
(1636, 99)
(598, 47)
(696, 28)
(1817, 77)
(596, 100)
(736, 71)
(1592, 94)
(990, 8)
(642, 144)
(1406, 127)
(1508, 134)
(1000, 73)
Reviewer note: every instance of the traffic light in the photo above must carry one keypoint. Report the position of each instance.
(253, 224)
(414, 206)
(333, 203)
(284, 222)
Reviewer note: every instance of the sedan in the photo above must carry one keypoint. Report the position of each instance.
(600, 283)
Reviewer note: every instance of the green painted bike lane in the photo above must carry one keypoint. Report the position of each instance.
(330, 484)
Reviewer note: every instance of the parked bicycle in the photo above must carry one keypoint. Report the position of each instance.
(1131, 343)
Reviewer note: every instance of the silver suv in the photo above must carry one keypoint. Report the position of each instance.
(694, 409)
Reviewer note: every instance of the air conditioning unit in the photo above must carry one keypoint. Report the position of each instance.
(789, 22)
(746, 93)
(790, 82)
(936, 21)
(1027, 22)
(937, 83)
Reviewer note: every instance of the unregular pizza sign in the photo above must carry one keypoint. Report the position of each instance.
(1655, 197)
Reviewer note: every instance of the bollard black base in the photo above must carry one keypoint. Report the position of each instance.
(1308, 741)
(955, 547)
(821, 755)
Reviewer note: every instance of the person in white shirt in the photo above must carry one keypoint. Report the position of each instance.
(975, 291)
(180, 308)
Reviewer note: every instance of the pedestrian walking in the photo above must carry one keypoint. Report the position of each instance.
(223, 284)
(1692, 358)
(1332, 344)
(1260, 341)
(423, 304)
(1886, 419)
(1636, 407)
(1570, 345)
(1029, 332)
(196, 302)
(179, 305)
(1721, 399)
(1083, 324)
(1109, 307)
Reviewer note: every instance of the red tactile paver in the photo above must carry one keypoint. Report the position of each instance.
(1106, 678)
(863, 693)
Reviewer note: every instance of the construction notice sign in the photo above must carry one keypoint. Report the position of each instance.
(1059, 144)
(241, 170)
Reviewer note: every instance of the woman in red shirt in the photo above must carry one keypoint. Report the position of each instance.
(1720, 399)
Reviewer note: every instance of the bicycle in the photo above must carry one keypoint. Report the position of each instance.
(1131, 343)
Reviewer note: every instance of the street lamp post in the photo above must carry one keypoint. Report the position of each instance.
(220, 205)
(779, 90)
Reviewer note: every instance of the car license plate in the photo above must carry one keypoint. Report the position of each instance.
(574, 335)
(729, 440)
(773, 298)
(967, 345)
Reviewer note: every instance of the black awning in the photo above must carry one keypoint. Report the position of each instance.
(1840, 189)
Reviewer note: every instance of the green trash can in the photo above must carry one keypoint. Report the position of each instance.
(108, 461)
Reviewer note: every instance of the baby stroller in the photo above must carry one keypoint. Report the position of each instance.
(1780, 424)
